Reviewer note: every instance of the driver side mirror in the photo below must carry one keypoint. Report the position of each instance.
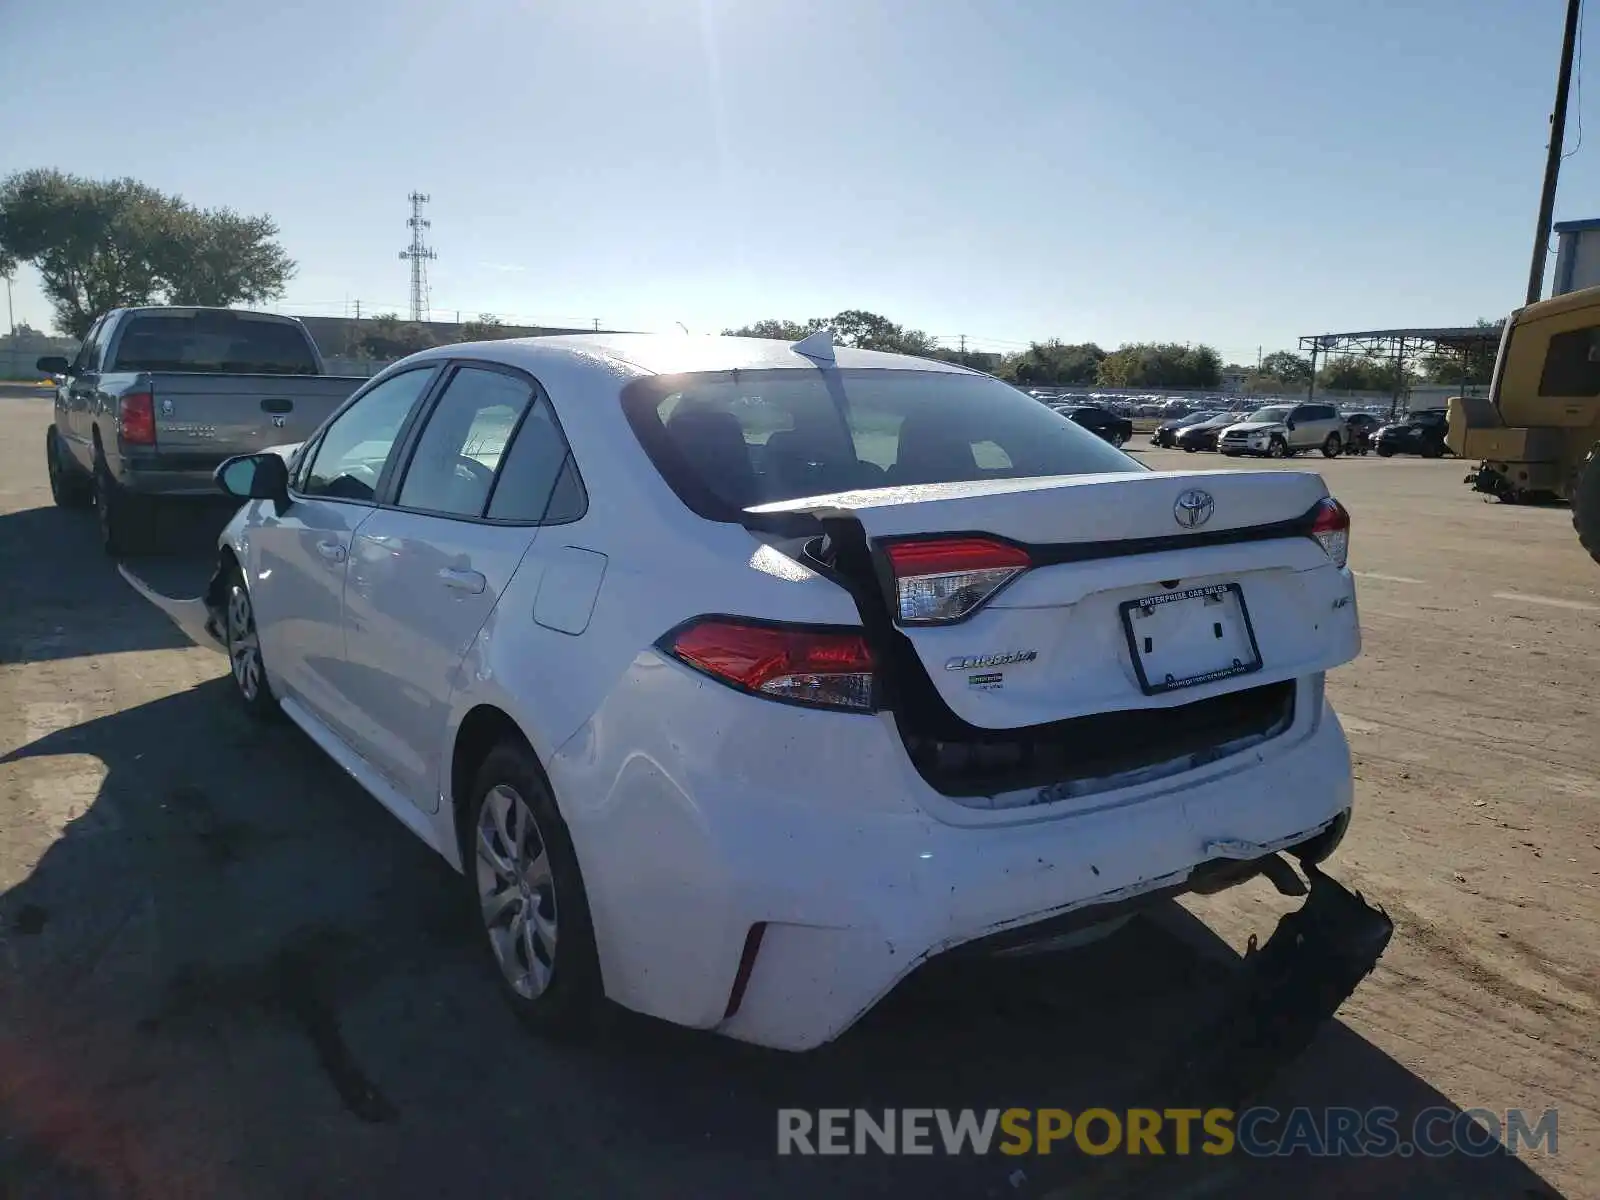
(1289, 424)
(255, 477)
(52, 364)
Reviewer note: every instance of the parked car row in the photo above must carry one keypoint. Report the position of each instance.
(1282, 430)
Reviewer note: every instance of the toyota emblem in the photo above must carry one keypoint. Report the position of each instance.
(1194, 508)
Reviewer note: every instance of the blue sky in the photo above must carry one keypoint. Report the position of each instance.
(1238, 172)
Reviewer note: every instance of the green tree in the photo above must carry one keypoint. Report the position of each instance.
(1055, 364)
(1161, 364)
(1290, 369)
(485, 327)
(101, 244)
(1473, 367)
(388, 338)
(773, 327)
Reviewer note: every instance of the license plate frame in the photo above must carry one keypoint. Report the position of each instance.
(1128, 608)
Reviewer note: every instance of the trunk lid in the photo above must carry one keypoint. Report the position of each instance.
(1144, 589)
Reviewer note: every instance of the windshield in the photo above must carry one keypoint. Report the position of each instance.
(1278, 414)
(213, 341)
(728, 441)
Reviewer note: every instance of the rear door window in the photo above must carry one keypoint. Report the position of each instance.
(453, 468)
(728, 441)
(218, 341)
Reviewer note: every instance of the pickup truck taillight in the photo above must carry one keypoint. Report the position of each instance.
(818, 666)
(944, 579)
(136, 418)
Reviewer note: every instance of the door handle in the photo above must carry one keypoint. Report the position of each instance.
(471, 582)
(332, 551)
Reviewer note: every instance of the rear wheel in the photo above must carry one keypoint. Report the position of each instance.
(1331, 447)
(1432, 450)
(1385, 451)
(68, 487)
(530, 896)
(1586, 503)
(124, 517)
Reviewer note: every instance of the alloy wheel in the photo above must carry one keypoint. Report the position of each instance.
(516, 891)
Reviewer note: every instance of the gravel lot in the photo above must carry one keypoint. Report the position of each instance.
(226, 972)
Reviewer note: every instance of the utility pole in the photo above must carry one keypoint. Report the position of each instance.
(963, 345)
(419, 255)
(597, 324)
(11, 319)
(1258, 360)
(1552, 162)
(358, 310)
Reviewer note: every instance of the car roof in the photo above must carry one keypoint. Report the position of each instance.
(672, 354)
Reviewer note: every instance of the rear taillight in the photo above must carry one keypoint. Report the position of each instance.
(938, 580)
(136, 418)
(1331, 527)
(823, 668)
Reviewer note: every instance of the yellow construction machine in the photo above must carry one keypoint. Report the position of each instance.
(1537, 436)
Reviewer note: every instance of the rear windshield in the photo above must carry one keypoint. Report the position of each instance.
(225, 342)
(730, 440)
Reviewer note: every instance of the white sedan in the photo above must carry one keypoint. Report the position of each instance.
(739, 678)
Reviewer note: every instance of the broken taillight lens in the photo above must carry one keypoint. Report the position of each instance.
(823, 668)
(938, 580)
(1331, 528)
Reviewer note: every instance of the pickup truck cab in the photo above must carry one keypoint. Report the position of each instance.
(158, 397)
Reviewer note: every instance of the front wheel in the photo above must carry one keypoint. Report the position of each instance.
(1278, 448)
(1385, 451)
(530, 896)
(1586, 503)
(1432, 450)
(1190, 449)
(68, 487)
(243, 641)
(1331, 447)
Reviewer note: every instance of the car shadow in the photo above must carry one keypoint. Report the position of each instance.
(230, 972)
(64, 598)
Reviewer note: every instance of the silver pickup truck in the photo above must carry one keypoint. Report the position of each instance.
(158, 397)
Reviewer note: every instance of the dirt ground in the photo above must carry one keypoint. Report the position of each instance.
(224, 971)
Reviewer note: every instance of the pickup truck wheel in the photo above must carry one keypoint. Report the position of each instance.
(1331, 447)
(529, 894)
(1278, 448)
(244, 651)
(124, 518)
(67, 486)
(1586, 503)
(1432, 450)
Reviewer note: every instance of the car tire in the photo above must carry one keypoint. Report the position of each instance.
(124, 517)
(1278, 448)
(243, 642)
(68, 486)
(1332, 446)
(1586, 503)
(1190, 449)
(528, 893)
(1385, 451)
(1432, 450)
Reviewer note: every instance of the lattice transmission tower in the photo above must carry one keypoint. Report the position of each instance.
(419, 254)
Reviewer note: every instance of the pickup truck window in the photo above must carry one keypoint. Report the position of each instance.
(89, 353)
(213, 341)
(349, 460)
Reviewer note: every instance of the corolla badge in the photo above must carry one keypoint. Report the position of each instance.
(1194, 508)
